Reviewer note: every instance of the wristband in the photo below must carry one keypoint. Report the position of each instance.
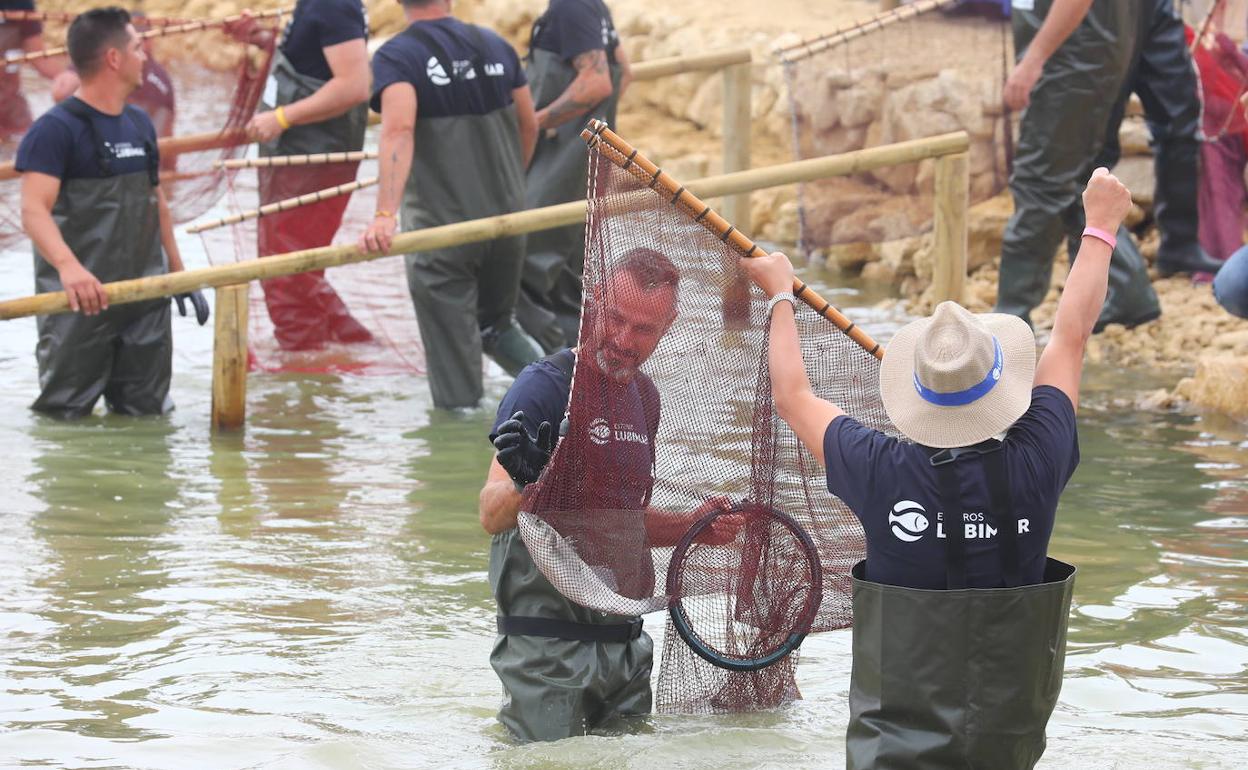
(384, 215)
(783, 296)
(1101, 235)
(280, 114)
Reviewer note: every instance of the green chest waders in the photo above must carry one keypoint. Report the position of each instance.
(465, 167)
(306, 311)
(550, 308)
(112, 225)
(565, 669)
(960, 678)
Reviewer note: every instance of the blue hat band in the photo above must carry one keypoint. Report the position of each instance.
(971, 394)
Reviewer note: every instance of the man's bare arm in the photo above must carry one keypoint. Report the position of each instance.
(167, 238)
(1106, 203)
(527, 120)
(1064, 17)
(499, 501)
(84, 290)
(591, 85)
(398, 142)
(48, 66)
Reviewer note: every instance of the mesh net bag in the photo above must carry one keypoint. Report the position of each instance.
(891, 79)
(215, 82)
(704, 397)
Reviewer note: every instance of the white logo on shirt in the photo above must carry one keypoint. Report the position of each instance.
(601, 431)
(908, 521)
(125, 150)
(435, 72)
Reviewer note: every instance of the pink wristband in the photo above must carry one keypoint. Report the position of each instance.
(1101, 235)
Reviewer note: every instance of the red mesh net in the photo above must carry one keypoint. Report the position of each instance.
(213, 84)
(893, 79)
(703, 395)
(1221, 66)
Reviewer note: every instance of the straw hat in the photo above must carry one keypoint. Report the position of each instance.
(957, 378)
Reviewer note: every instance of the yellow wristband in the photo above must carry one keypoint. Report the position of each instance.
(386, 214)
(280, 114)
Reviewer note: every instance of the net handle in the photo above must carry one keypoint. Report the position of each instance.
(629, 159)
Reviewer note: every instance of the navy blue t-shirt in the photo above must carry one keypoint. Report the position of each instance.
(540, 391)
(469, 89)
(61, 145)
(892, 488)
(315, 26)
(572, 27)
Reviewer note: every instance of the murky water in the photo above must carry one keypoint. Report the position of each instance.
(312, 592)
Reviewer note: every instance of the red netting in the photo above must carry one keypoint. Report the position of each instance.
(1221, 66)
(916, 72)
(704, 396)
(215, 83)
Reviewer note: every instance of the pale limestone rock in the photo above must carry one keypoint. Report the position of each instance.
(1220, 384)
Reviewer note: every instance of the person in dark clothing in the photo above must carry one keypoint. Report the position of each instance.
(1071, 53)
(957, 519)
(560, 677)
(93, 208)
(1164, 78)
(314, 101)
(457, 129)
(578, 70)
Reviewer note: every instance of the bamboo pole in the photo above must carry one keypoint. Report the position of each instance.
(306, 199)
(160, 31)
(64, 16)
(953, 184)
(229, 358)
(810, 46)
(297, 160)
(631, 160)
(476, 230)
(172, 145)
(679, 65)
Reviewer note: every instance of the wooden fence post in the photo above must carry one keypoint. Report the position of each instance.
(736, 138)
(953, 182)
(229, 358)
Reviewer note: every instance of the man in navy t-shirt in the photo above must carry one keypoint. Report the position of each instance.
(95, 213)
(457, 128)
(968, 503)
(567, 669)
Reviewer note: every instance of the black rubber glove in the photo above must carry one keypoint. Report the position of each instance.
(521, 455)
(197, 302)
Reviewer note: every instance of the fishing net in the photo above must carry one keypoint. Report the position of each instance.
(1221, 66)
(693, 425)
(214, 82)
(927, 68)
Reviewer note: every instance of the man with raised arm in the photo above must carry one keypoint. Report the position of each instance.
(578, 70)
(457, 129)
(959, 615)
(93, 208)
(1074, 57)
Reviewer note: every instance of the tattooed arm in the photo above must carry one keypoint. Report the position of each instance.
(398, 124)
(591, 86)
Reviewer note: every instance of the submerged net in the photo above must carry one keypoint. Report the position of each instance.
(704, 395)
(927, 68)
(201, 88)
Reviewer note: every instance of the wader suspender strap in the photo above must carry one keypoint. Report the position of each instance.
(444, 59)
(1001, 515)
(522, 625)
(76, 107)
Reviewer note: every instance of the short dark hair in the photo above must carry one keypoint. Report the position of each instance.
(416, 3)
(94, 32)
(651, 269)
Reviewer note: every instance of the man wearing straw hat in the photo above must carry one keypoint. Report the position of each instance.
(95, 213)
(959, 616)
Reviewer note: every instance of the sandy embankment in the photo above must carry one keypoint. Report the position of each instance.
(677, 122)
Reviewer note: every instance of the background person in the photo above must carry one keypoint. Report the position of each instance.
(577, 70)
(1071, 54)
(315, 101)
(457, 128)
(20, 37)
(95, 213)
(968, 505)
